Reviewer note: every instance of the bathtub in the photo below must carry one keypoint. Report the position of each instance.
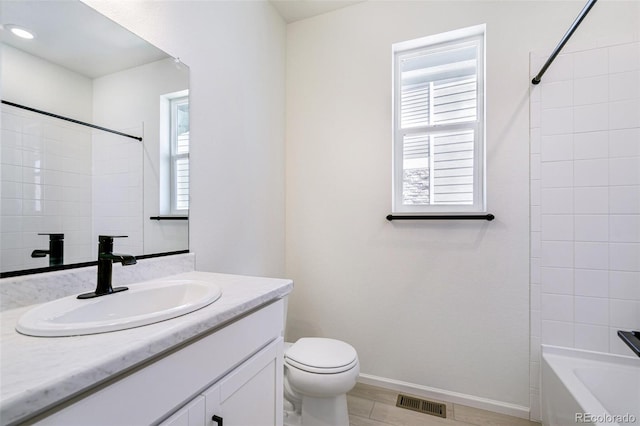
(582, 387)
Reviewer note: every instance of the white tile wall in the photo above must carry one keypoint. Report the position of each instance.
(59, 177)
(556, 280)
(46, 173)
(118, 190)
(589, 63)
(585, 202)
(591, 282)
(591, 145)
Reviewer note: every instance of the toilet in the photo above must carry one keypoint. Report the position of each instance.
(318, 373)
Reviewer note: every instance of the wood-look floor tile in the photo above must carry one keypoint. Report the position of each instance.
(375, 393)
(389, 396)
(359, 406)
(375, 406)
(403, 417)
(361, 421)
(479, 417)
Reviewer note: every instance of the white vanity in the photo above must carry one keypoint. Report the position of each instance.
(220, 363)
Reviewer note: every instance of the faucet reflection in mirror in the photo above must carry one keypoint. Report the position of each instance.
(106, 258)
(55, 252)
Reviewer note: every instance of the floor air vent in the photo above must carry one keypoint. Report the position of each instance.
(422, 405)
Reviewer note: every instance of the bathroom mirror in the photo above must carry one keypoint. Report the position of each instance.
(64, 177)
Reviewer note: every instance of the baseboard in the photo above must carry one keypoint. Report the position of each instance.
(447, 396)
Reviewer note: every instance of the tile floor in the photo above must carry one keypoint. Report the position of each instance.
(374, 406)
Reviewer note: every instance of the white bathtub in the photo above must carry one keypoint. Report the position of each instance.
(582, 387)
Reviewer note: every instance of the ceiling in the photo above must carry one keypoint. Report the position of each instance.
(296, 10)
(93, 44)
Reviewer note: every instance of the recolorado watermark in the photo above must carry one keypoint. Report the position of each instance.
(605, 418)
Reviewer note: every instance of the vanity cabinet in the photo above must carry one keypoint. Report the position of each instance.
(249, 395)
(234, 372)
(191, 414)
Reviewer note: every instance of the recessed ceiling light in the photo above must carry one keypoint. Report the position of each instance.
(20, 32)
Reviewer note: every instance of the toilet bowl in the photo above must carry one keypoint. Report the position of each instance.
(318, 373)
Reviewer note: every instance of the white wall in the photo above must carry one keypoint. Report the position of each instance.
(442, 305)
(235, 52)
(40, 84)
(437, 305)
(585, 200)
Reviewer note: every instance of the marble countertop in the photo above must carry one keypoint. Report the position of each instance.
(37, 373)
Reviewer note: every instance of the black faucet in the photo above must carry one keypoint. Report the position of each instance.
(106, 258)
(632, 339)
(55, 252)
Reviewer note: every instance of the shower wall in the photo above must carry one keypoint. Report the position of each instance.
(585, 201)
(46, 188)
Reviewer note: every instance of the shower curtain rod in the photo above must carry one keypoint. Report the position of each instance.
(50, 114)
(564, 40)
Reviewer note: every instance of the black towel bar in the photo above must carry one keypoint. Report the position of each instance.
(169, 218)
(488, 217)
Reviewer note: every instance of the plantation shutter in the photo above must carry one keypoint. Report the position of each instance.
(439, 165)
(182, 172)
(453, 168)
(180, 155)
(454, 101)
(415, 105)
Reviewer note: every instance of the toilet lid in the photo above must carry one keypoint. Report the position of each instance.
(321, 355)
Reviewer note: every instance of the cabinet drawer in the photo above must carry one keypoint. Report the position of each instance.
(146, 395)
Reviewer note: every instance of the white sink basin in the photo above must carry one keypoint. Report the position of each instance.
(144, 303)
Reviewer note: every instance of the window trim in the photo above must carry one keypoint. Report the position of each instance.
(477, 36)
(165, 175)
(174, 103)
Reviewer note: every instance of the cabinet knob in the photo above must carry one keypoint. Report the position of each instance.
(217, 419)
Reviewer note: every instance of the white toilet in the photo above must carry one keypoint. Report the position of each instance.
(318, 373)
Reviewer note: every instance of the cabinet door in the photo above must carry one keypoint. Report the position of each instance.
(190, 415)
(252, 393)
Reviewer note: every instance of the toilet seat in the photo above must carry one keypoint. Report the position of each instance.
(318, 373)
(321, 355)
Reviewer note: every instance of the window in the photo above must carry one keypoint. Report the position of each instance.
(179, 137)
(438, 141)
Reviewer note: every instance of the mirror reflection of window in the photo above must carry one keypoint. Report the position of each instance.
(180, 155)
